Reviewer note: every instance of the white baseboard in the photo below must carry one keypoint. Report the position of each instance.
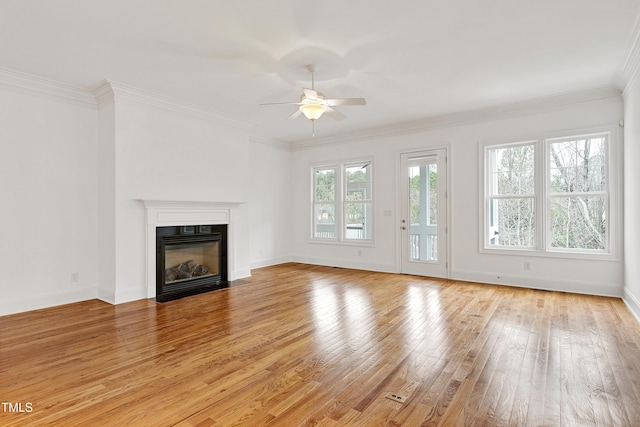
(547, 284)
(239, 274)
(269, 262)
(20, 305)
(122, 296)
(632, 303)
(342, 263)
(106, 296)
(128, 295)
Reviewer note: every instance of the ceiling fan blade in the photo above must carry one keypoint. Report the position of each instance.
(310, 93)
(296, 114)
(346, 101)
(335, 115)
(282, 103)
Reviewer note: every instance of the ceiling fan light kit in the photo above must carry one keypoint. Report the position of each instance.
(313, 111)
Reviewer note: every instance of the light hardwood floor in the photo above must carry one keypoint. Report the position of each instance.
(308, 345)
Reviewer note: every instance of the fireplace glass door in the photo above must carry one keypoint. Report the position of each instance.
(190, 261)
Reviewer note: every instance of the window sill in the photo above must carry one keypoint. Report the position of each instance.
(592, 256)
(361, 243)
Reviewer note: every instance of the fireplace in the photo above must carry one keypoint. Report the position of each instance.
(184, 213)
(190, 259)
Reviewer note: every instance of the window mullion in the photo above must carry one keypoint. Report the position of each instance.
(543, 199)
(340, 199)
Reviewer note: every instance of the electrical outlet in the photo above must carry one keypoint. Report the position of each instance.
(527, 265)
(75, 277)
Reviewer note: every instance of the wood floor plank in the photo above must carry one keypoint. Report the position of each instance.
(298, 345)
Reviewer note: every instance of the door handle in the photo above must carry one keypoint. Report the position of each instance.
(403, 228)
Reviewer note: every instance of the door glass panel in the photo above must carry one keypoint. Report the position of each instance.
(423, 210)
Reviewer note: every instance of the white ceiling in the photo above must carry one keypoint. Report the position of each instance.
(410, 59)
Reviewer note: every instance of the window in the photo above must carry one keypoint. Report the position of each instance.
(578, 204)
(324, 204)
(550, 195)
(343, 202)
(512, 196)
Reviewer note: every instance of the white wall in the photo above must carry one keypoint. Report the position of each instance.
(632, 194)
(269, 169)
(73, 168)
(106, 201)
(588, 276)
(164, 153)
(49, 208)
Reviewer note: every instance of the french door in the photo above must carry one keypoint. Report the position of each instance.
(423, 213)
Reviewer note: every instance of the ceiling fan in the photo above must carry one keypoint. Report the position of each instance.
(314, 105)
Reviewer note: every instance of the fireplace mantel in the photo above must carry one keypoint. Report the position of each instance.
(176, 212)
(193, 204)
(162, 213)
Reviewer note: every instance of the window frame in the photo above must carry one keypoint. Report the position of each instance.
(550, 194)
(543, 196)
(315, 203)
(341, 202)
(490, 197)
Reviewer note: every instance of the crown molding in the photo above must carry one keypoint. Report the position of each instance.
(527, 107)
(109, 90)
(631, 66)
(103, 93)
(269, 141)
(43, 86)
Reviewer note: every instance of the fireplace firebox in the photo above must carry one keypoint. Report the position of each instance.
(190, 259)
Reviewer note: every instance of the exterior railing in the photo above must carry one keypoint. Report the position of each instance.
(328, 231)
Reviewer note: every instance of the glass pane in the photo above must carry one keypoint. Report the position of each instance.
(414, 247)
(433, 194)
(423, 210)
(358, 182)
(325, 221)
(355, 195)
(190, 261)
(578, 165)
(358, 173)
(414, 194)
(512, 170)
(433, 255)
(512, 222)
(357, 222)
(578, 222)
(325, 185)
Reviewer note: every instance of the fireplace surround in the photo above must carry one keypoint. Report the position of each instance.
(167, 213)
